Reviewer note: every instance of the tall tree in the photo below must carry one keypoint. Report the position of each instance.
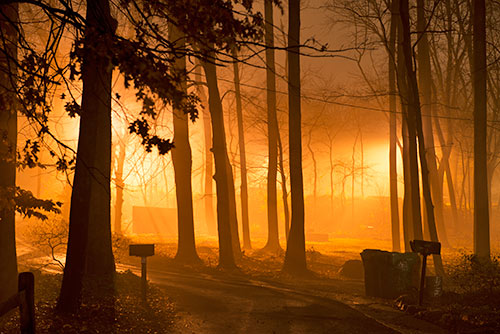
(119, 182)
(481, 212)
(245, 224)
(284, 191)
(181, 158)
(9, 15)
(219, 149)
(209, 163)
(393, 173)
(272, 244)
(425, 85)
(295, 256)
(409, 103)
(414, 112)
(90, 200)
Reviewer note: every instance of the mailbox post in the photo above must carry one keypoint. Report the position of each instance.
(143, 251)
(425, 248)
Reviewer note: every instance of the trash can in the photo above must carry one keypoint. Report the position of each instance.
(433, 286)
(389, 274)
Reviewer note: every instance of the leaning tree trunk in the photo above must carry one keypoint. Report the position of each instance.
(405, 154)
(247, 244)
(233, 215)
(226, 255)
(8, 128)
(273, 244)
(89, 243)
(393, 173)
(407, 99)
(407, 202)
(295, 257)
(284, 191)
(182, 161)
(425, 84)
(481, 214)
(414, 107)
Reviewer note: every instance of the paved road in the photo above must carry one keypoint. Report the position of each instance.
(213, 304)
(220, 304)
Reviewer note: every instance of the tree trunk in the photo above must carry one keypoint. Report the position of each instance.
(235, 239)
(393, 172)
(407, 98)
(416, 115)
(120, 184)
(425, 83)
(295, 257)
(273, 244)
(481, 214)
(100, 259)
(245, 224)
(284, 191)
(208, 198)
(8, 128)
(182, 161)
(407, 202)
(89, 242)
(226, 255)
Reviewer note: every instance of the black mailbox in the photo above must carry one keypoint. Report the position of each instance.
(425, 247)
(142, 250)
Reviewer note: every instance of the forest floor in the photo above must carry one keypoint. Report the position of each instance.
(255, 299)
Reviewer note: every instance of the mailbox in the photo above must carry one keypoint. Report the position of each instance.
(425, 247)
(142, 250)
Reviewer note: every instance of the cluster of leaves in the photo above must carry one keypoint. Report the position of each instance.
(145, 60)
(30, 206)
(219, 24)
(25, 203)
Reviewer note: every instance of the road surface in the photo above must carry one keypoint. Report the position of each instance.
(219, 303)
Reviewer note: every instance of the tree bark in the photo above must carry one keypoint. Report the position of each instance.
(295, 257)
(89, 242)
(245, 224)
(425, 84)
(226, 255)
(208, 198)
(414, 108)
(273, 244)
(284, 191)
(182, 161)
(408, 99)
(9, 15)
(120, 184)
(481, 214)
(393, 173)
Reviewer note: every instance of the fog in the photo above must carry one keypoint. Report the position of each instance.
(211, 167)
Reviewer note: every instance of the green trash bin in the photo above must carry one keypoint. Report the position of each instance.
(389, 274)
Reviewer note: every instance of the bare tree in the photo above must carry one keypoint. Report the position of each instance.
(243, 159)
(481, 208)
(295, 257)
(272, 244)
